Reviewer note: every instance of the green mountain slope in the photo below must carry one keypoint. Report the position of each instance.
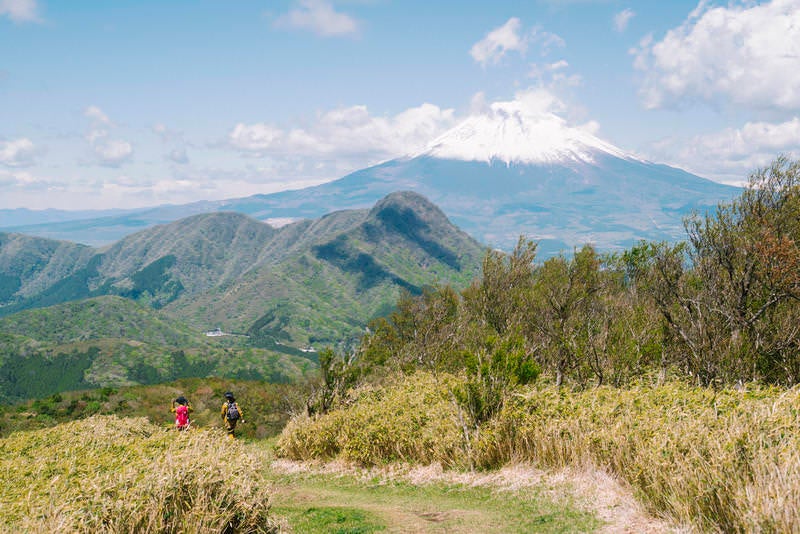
(31, 265)
(315, 281)
(350, 268)
(99, 318)
(113, 341)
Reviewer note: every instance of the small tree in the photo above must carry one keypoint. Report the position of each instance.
(564, 312)
(734, 310)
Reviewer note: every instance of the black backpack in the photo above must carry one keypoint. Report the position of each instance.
(233, 411)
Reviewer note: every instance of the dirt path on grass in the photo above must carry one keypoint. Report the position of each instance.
(398, 516)
(589, 491)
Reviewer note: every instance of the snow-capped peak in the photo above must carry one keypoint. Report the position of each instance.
(519, 131)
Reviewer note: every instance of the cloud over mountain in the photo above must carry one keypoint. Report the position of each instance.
(346, 133)
(109, 152)
(743, 53)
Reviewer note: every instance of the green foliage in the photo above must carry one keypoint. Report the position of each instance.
(267, 406)
(99, 318)
(33, 376)
(111, 341)
(9, 285)
(493, 372)
(731, 311)
(721, 308)
(154, 285)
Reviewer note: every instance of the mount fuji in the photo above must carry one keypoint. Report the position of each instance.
(511, 170)
(514, 171)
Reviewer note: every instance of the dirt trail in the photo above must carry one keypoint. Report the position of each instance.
(592, 491)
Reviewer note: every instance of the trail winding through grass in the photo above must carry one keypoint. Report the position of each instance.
(333, 497)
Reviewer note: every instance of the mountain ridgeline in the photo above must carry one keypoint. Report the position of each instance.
(312, 282)
(509, 171)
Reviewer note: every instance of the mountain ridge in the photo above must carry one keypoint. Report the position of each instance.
(311, 281)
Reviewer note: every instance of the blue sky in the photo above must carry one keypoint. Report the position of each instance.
(135, 103)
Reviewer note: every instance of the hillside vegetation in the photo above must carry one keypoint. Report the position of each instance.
(267, 405)
(311, 282)
(112, 342)
(673, 366)
(724, 461)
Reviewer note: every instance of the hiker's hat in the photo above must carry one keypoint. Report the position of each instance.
(229, 395)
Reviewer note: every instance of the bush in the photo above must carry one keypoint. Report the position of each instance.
(722, 460)
(414, 420)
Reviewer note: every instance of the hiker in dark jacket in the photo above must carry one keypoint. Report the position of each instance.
(231, 413)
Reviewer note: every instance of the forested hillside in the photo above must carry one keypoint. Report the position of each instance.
(311, 282)
(113, 341)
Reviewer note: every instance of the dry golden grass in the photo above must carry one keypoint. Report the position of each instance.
(415, 421)
(106, 474)
(726, 461)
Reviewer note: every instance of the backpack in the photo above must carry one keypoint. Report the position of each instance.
(233, 411)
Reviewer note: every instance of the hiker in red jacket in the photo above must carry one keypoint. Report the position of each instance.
(181, 409)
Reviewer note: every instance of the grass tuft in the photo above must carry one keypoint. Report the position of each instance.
(106, 474)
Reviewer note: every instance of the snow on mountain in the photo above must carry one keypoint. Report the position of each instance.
(519, 131)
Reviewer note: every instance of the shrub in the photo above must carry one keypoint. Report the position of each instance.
(413, 420)
(722, 460)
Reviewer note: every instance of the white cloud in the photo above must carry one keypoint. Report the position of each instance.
(108, 151)
(320, 17)
(20, 10)
(256, 138)
(511, 38)
(497, 42)
(622, 19)
(746, 53)
(96, 114)
(17, 153)
(16, 179)
(178, 155)
(350, 135)
(554, 76)
(173, 142)
(731, 154)
(112, 152)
